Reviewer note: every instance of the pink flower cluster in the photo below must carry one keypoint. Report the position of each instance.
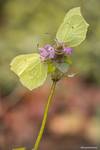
(48, 52)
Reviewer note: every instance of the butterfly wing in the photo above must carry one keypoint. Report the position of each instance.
(73, 29)
(31, 71)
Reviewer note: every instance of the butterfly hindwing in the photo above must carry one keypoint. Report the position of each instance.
(31, 71)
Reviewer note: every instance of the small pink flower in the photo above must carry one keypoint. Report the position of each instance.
(68, 50)
(47, 52)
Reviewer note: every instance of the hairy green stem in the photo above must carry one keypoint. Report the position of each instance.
(38, 140)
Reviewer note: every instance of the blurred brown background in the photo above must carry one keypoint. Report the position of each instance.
(74, 117)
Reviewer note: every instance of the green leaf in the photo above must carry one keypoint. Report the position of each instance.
(21, 148)
(51, 67)
(63, 67)
(31, 71)
(73, 29)
(67, 60)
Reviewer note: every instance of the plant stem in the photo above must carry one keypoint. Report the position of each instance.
(38, 140)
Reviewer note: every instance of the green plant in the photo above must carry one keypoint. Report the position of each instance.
(55, 60)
